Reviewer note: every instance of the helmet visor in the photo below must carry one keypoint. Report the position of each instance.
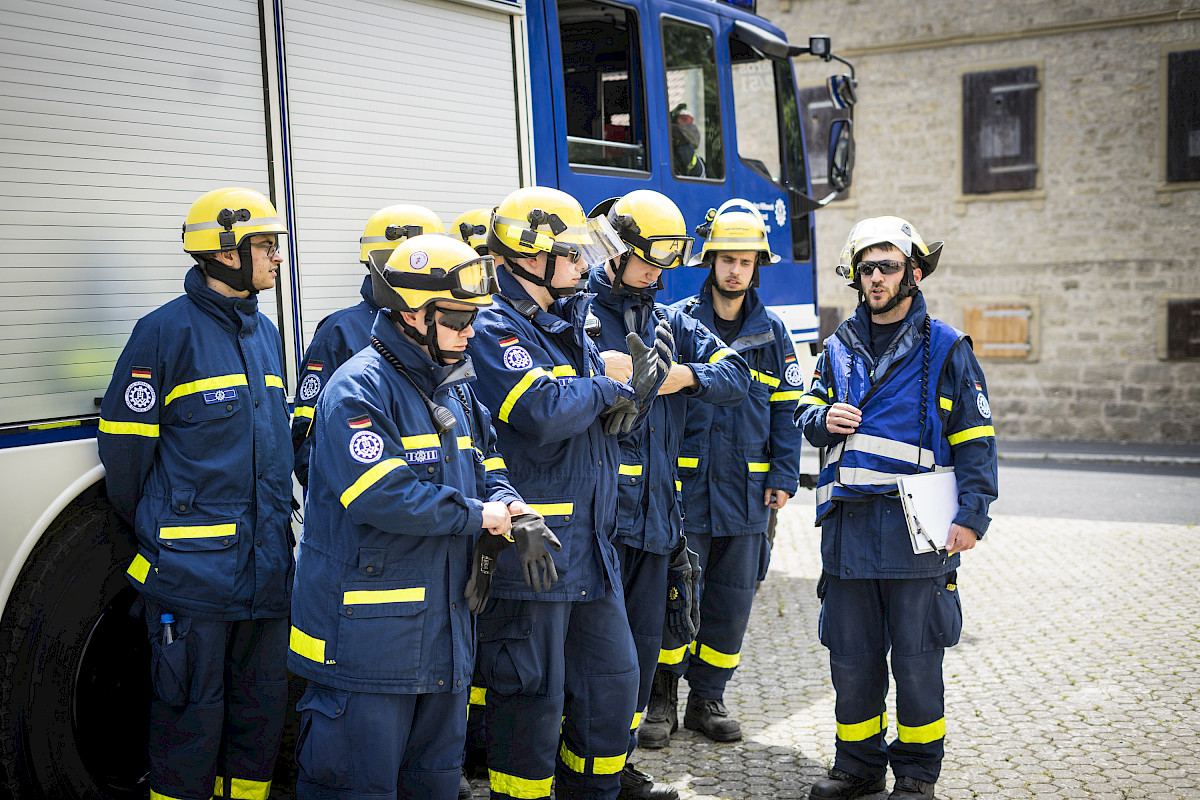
(597, 243)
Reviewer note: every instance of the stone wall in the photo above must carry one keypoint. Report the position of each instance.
(1096, 246)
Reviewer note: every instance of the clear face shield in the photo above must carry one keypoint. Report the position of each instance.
(596, 244)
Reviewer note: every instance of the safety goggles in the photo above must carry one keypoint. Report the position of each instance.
(456, 319)
(595, 243)
(867, 268)
(667, 252)
(465, 281)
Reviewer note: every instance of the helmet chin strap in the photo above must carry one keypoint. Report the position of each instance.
(233, 278)
(428, 339)
(908, 288)
(545, 281)
(728, 295)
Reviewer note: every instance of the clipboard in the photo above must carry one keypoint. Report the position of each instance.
(930, 502)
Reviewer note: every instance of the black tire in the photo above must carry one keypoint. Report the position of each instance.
(74, 674)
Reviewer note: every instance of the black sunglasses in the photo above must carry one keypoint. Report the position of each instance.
(867, 268)
(456, 320)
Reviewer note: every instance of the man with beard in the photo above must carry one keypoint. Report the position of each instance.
(896, 393)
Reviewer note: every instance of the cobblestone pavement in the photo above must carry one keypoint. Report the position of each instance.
(1078, 673)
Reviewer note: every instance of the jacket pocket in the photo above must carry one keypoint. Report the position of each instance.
(562, 516)
(381, 630)
(198, 559)
(323, 753)
(508, 658)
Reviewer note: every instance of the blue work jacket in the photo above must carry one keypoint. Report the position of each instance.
(339, 336)
(194, 440)
(391, 517)
(649, 512)
(953, 416)
(731, 456)
(544, 378)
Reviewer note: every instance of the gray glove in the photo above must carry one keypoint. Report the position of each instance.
(620, 416)
(532, 535)
(650, 364)
(664, 342)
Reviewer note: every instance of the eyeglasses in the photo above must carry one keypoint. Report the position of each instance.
(867, 268)
(456, 320)
(271, 247)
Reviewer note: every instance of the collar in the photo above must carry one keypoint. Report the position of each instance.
(754, 313)
(232, 313)
(617, 299)
(562, 313)
(367, 293)
(430, 377)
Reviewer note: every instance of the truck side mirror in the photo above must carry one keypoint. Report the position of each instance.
(841, 154)
(841, 91)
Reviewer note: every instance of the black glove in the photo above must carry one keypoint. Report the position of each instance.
(664, 342)
(648, 369)
(620, 416)
(483, 565)
(530, 533)
(683, 597)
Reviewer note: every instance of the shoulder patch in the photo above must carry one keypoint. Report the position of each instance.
(981, 402)
(508, 341)
(140, 397)
(310, 386)
(316, 366)
(366, 447)
(792, 374)
(142, 373)
(517, 358)
(359, 422)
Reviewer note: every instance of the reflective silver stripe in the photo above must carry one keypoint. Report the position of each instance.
(737, 239)
(208, 226)
(888, 448)
(824, 493)
(860, 476)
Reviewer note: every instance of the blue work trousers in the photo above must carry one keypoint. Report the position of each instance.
(861, 621)
(644, 575)
(368, 746)
(561, 686)
(220, 693)
(731, 568)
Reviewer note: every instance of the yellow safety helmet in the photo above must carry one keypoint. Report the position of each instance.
(651, 225)
(390, 226)
(886, 230)
(538, 219)
(221, 219)
(734, 230)
(429, 267)
(472, 227)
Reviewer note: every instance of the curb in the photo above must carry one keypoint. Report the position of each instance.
(1100, 458)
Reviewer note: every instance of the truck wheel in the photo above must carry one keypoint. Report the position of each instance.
(74, 664)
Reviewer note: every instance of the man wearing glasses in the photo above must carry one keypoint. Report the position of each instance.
(404, 478)
(194, 439)
(896, 393)
(649, 537)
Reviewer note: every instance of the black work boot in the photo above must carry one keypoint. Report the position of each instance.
(907, 788)
(662, 712)
(711, 718)
(464, 787)
(637, 785)
(841, 785)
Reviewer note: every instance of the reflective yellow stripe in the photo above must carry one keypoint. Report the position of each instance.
(724, 352)
(630, 469)
(372, 596)
(608, 765)
(672, 656)
(304, 411)
(922, 734)
(679, 486)
(946, 403)
(368, 479)
(160, 796)
(478, 696)
(688, 461)
(783, 397)
(310, 647)
(420, 440)
(758, 466)
(521, 788)
(861, 731)
(277, 382)
(522, 386)
(563, 371)
(637, 720)
(716, 658)
(573, 762)
(245, 789)
(762, 377)
(129, 428)
(139, 568)
(464, 443)
(978, 432)
(219, 382)
(198, 531)
(553, 509)
(494, 463)
(830, 392)
(813, 400)
(219, 789)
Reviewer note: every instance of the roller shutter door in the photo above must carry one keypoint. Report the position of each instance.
(391, 101)
(116, 116)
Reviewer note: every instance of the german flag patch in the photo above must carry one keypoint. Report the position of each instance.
(508, 341)
(142, 372)
(316, 366)
(360, 422)
(789, 358)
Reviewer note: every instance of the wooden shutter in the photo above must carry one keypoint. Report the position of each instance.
(999, 330)
(1183, 116)
(1000, 130)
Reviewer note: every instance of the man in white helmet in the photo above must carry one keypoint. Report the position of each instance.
(896, 393)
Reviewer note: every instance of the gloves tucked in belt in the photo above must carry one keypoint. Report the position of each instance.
(483, 566)
(683, 598)
(530, 533)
